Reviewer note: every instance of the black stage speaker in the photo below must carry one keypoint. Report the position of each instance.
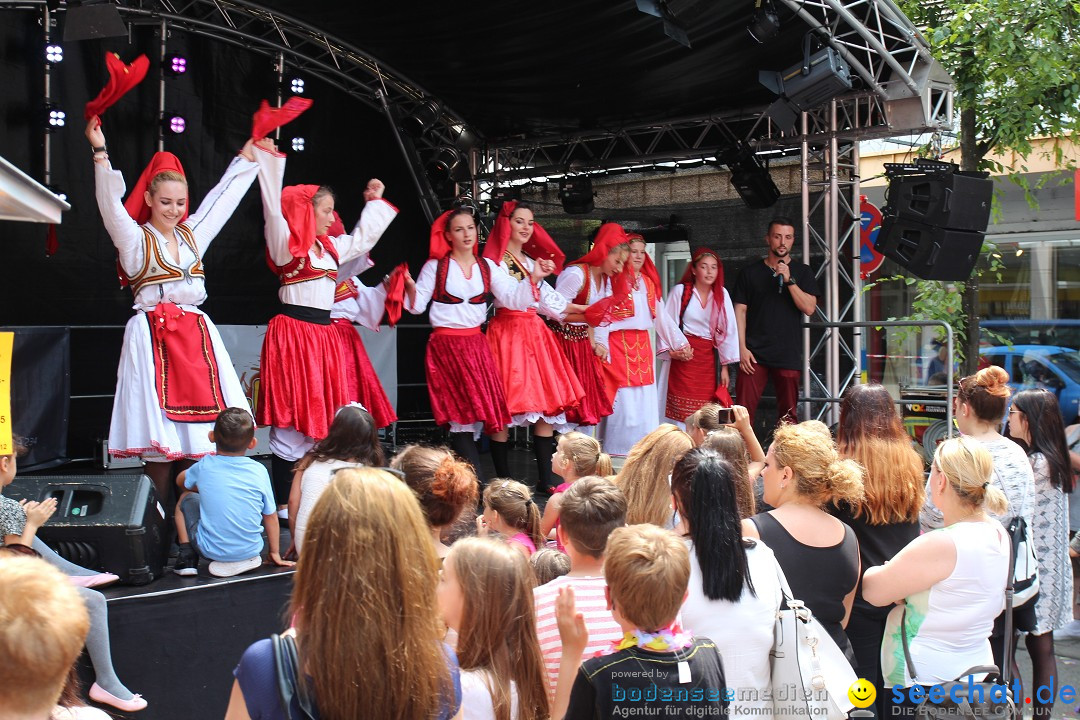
(934, 218)
(955, 201)
(109, 524)
(932, 253)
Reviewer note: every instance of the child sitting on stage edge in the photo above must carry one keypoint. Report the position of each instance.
(227, 503)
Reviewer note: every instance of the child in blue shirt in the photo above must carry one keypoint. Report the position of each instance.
(226, 504)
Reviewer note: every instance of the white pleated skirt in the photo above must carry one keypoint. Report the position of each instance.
(139, 427)
(634, 415)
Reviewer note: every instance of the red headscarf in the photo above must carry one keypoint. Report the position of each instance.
(439, 243)
(337, 227)
(648, 269)
(267, 119)
(395, 294)
(121, 79)
(299, 212)
(136, 202)
(539, 247)
(717, 288)
(608, 238)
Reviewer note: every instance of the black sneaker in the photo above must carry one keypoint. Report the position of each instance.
(187, 562)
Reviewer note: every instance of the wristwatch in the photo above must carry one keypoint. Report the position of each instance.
(789, 283)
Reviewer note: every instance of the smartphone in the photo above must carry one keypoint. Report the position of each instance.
(725, 416)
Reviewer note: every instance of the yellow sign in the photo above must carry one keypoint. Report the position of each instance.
(862, 693)
(7, 339)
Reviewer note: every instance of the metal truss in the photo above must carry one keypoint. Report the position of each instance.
(830, 182)
(696, 139)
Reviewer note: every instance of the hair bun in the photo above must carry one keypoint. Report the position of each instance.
(453, 481)
(994, 380)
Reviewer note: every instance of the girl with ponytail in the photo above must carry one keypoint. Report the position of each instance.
(577, 455)
(818, 553)
(509, 510)
(951, 582)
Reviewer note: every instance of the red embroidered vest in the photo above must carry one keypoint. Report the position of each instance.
(299, 269)
(440, 294)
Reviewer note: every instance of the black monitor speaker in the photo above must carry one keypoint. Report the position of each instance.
(955, 201)
(106, 523)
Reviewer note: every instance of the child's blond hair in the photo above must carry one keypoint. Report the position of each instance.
(647, 571)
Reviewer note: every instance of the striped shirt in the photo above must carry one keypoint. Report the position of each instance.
(590, 602)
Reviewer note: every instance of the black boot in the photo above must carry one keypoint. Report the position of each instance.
(281, 475)
(500, 455)
(543, 449)
(464, 446)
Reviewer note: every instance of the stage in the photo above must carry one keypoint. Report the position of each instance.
(177, 639)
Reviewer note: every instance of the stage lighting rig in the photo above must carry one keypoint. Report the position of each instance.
(55, 118)
(298, 144)
(174, 65)
(54, 53)
(173, 123)
(297, 86)
(765, 23)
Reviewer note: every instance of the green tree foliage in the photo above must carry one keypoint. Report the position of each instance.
(1016, 65)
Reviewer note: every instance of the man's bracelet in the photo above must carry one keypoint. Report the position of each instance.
(99, 149)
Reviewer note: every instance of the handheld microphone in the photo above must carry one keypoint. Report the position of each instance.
(779, 277)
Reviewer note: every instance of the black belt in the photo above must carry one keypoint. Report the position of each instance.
(303, 313)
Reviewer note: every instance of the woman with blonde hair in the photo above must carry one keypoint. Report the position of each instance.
(887, 518)
(577, 455)
(363, 599)
(645, 477)
(818, 553)
(443, 484)
(981, 401)
(485, 595)
(950, 583)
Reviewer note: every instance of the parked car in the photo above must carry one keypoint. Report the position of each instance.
(1051, 367)
(1059, 332)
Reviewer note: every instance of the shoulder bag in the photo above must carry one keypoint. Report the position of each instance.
(810, 673)
(285, 666)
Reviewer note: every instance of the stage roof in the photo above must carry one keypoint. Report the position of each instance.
(514, 68)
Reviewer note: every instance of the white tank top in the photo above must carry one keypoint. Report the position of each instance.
(949, 625)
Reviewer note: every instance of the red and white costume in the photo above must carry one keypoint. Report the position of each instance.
(538, 380)
(629, 373)
(175, 374)
(709, 326)
(303, 377)
(577, 285)
(467, 393)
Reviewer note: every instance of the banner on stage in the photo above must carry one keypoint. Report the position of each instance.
(7, 341)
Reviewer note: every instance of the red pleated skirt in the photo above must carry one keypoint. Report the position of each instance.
(577, 349)
(537, 378)
(691, 383)
(364, 385)
(463, 383)
(302, 376)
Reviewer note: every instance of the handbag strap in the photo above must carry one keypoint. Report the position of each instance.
(1004, 672)
(1006, 658)
(285, 667)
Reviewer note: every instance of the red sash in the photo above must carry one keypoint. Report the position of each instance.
(186, 373)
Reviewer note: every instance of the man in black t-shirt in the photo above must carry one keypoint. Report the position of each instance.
(770, 298)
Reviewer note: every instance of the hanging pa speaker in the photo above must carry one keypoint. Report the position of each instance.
(932, 253)
(957, 201)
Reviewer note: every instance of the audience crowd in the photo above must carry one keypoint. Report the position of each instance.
(422, 593)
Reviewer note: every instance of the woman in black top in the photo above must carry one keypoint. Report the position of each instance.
(887, 518)
(818, 553)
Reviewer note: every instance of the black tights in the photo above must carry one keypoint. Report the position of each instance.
(1043, 673)
(464, 446)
